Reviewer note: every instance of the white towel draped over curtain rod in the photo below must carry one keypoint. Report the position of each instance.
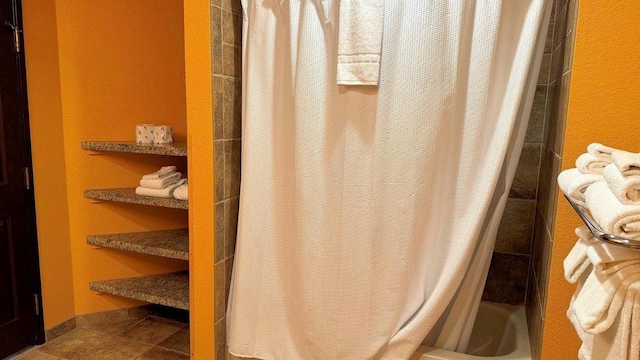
(368, 215)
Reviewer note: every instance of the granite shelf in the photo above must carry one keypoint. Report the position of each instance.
(128, 195)
(167, 289)
(173, 244)
(178, 148)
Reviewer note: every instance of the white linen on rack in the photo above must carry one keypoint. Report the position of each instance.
(599, 150)
(574, 183)
(577, 262)
(612, 216)
(628, 163)
(591, 164)
(605, 309)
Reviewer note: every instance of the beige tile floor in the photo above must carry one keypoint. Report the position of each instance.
(152, 338)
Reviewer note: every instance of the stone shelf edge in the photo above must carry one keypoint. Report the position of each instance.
(166, 289)
(173, 244)
(128, 195)
(178, 148)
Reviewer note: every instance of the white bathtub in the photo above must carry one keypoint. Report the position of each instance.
(500, 333)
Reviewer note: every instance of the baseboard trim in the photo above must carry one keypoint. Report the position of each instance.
(60, 329)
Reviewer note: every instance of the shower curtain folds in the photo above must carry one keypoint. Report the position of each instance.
(368, 214)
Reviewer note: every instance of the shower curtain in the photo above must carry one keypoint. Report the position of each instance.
(368, 214)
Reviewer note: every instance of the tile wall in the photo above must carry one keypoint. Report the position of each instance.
(560, 55)
(508, 275)
(226, 29)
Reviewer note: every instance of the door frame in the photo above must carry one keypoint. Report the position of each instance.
(32, 241)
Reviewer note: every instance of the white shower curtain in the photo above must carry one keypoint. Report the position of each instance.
(368, 214)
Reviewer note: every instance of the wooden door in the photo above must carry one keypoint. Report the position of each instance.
(20, 316)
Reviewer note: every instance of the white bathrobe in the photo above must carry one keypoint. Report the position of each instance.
(369, 213)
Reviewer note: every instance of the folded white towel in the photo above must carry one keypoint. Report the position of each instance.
(160, 193)
(577, 262)
(634, 335)
(600, 150)
(621, 340)
(617, 266)
(164, 171)
(625, 188)
(614, 217)
(591, 164)
(161, 183)
(182, 192)
(602, 297)
(586, 349)
(628, 163)
(360, 41)
(574, 183)
(602, 254)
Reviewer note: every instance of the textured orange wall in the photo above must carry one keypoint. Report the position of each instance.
(201, 176)
(604, 106)
(50, 183)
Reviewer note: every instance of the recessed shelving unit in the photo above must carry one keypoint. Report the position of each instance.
(173, 244)
(129, 196)
(178, 148)
(166, 289)
(170, 289)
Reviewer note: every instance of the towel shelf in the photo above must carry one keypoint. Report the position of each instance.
(597, 231)
(172, 244)
(178, 148)
(128, 195)
(170, 289)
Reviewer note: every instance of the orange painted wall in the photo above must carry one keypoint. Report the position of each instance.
(201, 176)
(119, 63)
(50, 182)
(604, 106)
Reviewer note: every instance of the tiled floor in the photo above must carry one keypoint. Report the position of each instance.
(152, 338)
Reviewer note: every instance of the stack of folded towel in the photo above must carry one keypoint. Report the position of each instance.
(615, 202)
(161, 183)
(606, 181)
(605, 309)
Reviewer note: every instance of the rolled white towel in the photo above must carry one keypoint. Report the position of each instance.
(602, 297)
(162, 182)
(164, 171)
(574, 183)
(628, 163)
(577, 262)
(602, 254)
(613, 216)
(182, 192)
(600, 150)
(625, 188)
(591, 164)
(160, 193)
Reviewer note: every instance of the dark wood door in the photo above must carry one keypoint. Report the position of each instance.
(20, 318)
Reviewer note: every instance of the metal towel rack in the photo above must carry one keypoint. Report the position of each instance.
(597, 231)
